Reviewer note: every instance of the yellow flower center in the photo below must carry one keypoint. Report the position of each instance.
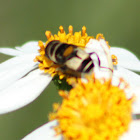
(79, 39)
(93, 111)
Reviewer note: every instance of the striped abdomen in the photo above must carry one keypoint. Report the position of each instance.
(70, 57)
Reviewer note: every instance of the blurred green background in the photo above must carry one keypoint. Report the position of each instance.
(22, 21)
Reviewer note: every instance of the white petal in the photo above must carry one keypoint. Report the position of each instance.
(123, 54)
(45, 132)
(132, 65)
(101, 58)
(24, 59)
(126, 59)
(130, 77)
(134, 131)
(11, 75)
(130, 92)
(136, 105)
(14, 68)
(29, 47)
(23, 91)
(9, 51)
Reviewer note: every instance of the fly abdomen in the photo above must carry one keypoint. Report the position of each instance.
(71, 58)
(50, 49)
(58, 52)
(86, 65)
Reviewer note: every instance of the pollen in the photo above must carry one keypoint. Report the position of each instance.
(93, 111)
(48, 34)
(70, 29)
(100, 36)
(83, 31)
(61, 29)
(114, 59)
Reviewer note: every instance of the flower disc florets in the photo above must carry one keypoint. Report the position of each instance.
(79, 39)
(93, 111)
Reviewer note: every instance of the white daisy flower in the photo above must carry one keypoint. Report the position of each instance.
(47, 132)
(90, 114)
(21, 82)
